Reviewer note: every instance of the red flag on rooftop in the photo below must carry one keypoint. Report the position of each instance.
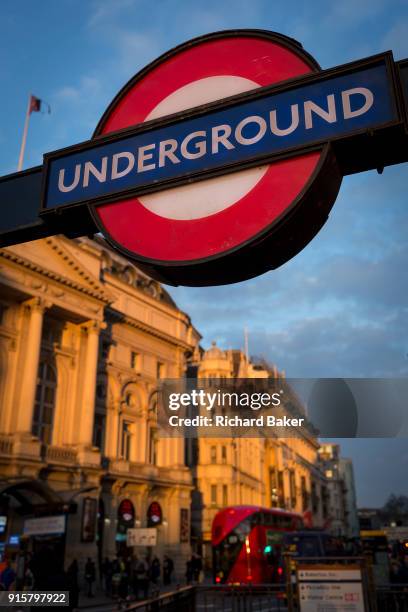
(35, 104)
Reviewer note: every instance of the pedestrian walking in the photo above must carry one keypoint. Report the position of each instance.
(155, 570)
(197, 567)
(8, 576)
(90, 575)
(123, 588)
(168, 567)
(142, 579)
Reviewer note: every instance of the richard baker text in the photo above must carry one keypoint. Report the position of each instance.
(225, 408)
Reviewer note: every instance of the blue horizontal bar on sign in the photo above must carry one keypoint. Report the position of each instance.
(318, 111)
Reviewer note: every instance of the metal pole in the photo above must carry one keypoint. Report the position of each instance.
(24, 140)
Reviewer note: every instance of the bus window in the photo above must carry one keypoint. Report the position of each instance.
(273, 547)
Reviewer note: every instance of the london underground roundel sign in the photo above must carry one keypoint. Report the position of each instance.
(251, 214)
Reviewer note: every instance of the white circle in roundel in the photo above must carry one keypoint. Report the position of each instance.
(210, 196)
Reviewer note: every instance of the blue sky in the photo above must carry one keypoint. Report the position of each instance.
(339, 308)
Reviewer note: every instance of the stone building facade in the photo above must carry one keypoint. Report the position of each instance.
(342, 518)
(84, 338)
(270, 472)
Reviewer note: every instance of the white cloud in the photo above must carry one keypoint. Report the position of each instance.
(87, 88)
(104, 11)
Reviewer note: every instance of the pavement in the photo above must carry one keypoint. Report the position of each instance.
(100, 601)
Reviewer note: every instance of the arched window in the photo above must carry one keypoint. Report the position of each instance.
(44, 402)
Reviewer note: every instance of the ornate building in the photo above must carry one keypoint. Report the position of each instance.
(84, 338)
(271, 472)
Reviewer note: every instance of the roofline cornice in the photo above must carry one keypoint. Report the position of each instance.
(96, 293)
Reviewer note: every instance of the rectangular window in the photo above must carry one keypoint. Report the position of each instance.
(213, 454)
(45, 397)
(224, 454)
(315, 499)
(2, 313)
(292, 484)
(281, 490)
(214, 495)
(305, 494)
(224, 495)
(104, 347)
(160, 370)
(99, 431)
(273, 484)
(51, 332)
(125, 440)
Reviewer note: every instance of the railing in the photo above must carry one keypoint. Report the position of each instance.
(392, 598)
(181, 600)
(246, 598)
(6, 445)
(59, 454)
(214, 597)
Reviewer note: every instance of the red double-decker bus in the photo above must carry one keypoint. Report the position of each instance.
(247, 542)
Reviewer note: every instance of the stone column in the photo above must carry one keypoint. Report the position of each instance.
(87, 407)
(28, 379)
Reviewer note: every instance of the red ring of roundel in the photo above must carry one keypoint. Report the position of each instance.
(154, 238)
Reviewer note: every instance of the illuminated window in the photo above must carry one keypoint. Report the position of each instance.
(329, 473)
(224, 454)
(214, 494)
(44, 402)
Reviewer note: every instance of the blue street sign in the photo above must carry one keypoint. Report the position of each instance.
(255, 129)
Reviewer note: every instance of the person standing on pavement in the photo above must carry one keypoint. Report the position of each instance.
(90, 575)
(142, 578)
(168, 567)
(72, 576)
(8, 576)
(197, 566)
(155, 570)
